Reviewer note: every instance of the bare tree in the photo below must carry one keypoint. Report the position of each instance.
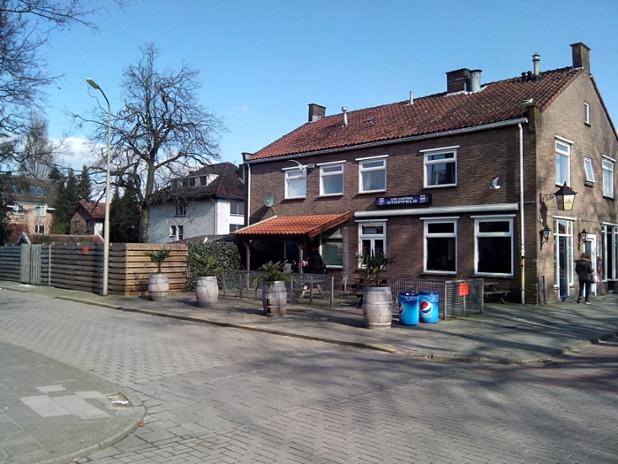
(24, 29)
(37, 156)
(161, 130)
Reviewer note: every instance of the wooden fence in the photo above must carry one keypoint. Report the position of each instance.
(78, 266)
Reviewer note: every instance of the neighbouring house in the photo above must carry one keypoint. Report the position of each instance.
(454, 185)
(209, 202)
(88, 218)
(28, 211)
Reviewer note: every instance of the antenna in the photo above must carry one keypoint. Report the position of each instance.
(269, 200)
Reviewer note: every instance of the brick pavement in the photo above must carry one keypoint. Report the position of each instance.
(225, 395)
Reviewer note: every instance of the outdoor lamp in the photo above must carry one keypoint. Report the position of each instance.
(546, 233)
(565, 197)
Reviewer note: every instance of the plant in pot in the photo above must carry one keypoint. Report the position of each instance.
(377, 298)
(206, 286)
(274, 293)
(158, 283)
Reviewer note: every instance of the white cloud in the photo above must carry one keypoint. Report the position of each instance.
(76, 150)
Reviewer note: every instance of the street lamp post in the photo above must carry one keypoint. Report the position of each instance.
(95, 86)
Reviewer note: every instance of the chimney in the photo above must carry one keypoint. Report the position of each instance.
(475, 80)
(581, 56)
(536, 64)
(457, 81)
(344, 110)
(316, 112)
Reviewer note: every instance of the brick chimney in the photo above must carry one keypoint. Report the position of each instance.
(581, 56)
(458, 80)
(316, 112)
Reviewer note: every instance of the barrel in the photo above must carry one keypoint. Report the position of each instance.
(207, 291)
(429, 306)
(377, 307)
(158, 286)
(409, 314)
(274, 298)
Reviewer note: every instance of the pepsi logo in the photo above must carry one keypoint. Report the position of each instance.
(425, 307)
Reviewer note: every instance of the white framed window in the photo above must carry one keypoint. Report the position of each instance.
(588, 170)
(586, 113)
(181, 209)
(295, 183)
(237, 208)
(181, 232)
(331, 180)
(371, 239)
(493, 246)
(563, 163)
(372, 175)
(440, 168)
(440, 246)
(563, 253)
(41, 211)
(173, 231)
(610, 253)
(608, 178)
(18, 209)
(39, 229)
(331, 248)
(177, 232)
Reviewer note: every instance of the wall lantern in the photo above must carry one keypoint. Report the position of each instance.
(565, 197)
(545, 234)
(582, 236)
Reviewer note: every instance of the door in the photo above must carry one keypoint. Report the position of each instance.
(563, 235)
(563, 268)
(590, 248)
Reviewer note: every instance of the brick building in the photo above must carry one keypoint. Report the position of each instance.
(435, 183)
(88, 218)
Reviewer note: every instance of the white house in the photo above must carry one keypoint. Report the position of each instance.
(208, 202)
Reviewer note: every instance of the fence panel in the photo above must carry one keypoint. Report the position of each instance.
(35, 264)
(10, 263)
(77, 267)
(24, 276)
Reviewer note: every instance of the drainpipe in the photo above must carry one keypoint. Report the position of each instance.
(522, 257)
(248, 194)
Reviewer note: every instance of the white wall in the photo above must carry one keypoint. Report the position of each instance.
(224, 219)
(198, 221)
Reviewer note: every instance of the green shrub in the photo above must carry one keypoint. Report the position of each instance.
(211, 258)
(159, 257)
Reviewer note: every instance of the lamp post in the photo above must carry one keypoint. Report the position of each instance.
(95, 86)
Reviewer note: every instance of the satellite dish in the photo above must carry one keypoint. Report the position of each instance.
(495, 184)
(269, 200)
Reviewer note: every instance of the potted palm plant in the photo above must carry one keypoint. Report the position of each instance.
(206, 286)
(377, 298)
(274, 293)
(158, 283)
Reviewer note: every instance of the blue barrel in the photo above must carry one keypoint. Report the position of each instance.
(409, 302)
(429, 307)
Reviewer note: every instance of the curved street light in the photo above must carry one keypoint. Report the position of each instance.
(96, 86)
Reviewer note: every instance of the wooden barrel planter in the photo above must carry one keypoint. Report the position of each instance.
(207, 291)
(158, 286)
(274, 298)
(377, 311)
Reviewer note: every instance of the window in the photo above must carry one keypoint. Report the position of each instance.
(41, 211)
(440, 168)
(176, 232)
(295, 183)
(608, 178)
(192, 182)
(181, 232)
(331, 180)
(39, 229)
(563, 161)
(37, 191)
(588, 171)
(235, 227)
(181, 209)
(237, 208)
(610, 253)
(371, 239)
(372, 175)
(441, 246)
(173, 232)
(17, 189)
(18, 209)
(586, 114)
(331, 248)
(203, 180)
(493, 246)
(185, 182)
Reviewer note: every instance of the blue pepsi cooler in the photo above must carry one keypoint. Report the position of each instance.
(429, 307)
(409, 302)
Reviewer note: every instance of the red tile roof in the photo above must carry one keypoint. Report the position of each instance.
(297, 226)
(96, 210)
(497, 101)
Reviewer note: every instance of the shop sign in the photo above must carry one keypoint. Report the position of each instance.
(409, 200)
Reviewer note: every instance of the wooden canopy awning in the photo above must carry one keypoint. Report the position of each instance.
(293, 227)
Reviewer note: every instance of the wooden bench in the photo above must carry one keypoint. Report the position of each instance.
(494, 290)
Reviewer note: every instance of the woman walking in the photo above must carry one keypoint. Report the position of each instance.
(584, 271)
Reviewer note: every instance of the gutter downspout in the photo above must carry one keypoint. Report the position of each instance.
(247, 220)
(522, 258)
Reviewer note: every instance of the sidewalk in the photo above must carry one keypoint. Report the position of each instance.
(508, 334)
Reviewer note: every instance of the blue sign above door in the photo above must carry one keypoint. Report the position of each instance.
(409, 200)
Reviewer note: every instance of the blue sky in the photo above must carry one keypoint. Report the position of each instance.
(261, 62)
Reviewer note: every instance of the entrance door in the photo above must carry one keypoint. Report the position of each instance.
(563, 235)
(563, 267)
(590, 248)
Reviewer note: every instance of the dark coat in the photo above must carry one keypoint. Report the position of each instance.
(584, 270)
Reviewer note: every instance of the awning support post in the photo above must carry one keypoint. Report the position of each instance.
(300, 246)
